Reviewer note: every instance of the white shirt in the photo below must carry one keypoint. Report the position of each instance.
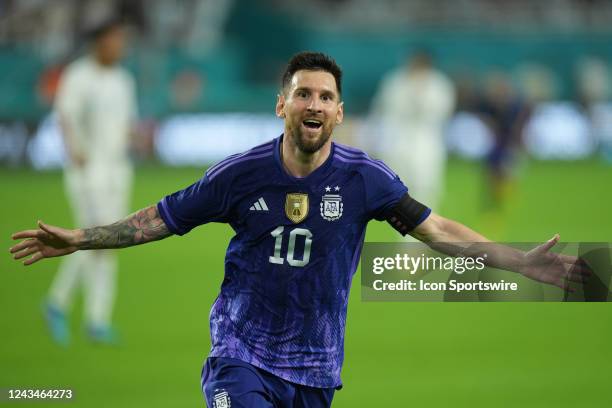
(98, 105)
(418, 103)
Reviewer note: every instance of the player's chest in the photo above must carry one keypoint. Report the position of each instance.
(326, 208)
(107, 96)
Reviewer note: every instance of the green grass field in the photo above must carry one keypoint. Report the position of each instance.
(397, 354)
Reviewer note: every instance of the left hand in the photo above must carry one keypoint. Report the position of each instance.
(556, 269)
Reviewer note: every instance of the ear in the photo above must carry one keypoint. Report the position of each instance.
(280, 106)
(340, 113)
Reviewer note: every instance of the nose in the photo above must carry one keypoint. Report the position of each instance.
(314, 105)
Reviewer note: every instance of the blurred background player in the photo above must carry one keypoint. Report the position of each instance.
(506, 113)
(413, 104)
(96, 107)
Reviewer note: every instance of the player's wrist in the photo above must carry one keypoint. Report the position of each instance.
(523, 263)
(79, 240)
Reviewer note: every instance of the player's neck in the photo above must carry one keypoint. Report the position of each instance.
(300, 164)
(102, 61)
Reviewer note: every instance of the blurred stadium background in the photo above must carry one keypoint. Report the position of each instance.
(207, 74)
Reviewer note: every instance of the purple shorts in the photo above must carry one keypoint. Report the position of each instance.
(228, 382)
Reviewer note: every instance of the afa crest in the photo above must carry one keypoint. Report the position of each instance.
(296, 207)
(222, 399)
(331, 207)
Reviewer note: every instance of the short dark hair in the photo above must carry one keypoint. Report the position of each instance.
(96, 31)
(312, 61)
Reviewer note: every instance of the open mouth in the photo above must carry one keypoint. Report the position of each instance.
(312, 123)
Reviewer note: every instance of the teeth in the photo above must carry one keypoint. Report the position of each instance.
(315, 122)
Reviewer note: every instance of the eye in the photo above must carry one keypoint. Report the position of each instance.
(326, 98)
(302, 94)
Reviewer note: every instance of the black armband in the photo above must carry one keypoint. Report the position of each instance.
(407, 214)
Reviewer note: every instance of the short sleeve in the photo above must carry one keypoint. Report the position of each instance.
(70, 101)
(202, 202)
(133, 99)
(383, 189)
(70, 106)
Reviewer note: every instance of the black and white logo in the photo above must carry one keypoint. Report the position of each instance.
(331, 205)
(221, 399)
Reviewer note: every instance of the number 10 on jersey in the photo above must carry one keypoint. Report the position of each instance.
(278, 244)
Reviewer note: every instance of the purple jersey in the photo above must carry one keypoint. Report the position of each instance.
(288, 269)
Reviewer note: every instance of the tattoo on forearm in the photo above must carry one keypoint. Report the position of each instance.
(143, 226)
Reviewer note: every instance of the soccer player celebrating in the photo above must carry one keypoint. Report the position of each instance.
(299, 205)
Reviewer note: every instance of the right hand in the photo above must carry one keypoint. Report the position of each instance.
(45, 242)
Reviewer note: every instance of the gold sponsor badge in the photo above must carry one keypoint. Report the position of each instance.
(296, 207)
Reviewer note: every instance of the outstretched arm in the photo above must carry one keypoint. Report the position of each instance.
(48, 241)
(455, 239)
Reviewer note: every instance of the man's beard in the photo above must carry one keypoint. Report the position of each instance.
(311, 146)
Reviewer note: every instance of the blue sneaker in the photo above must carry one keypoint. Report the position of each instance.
(104, 335)
(57, 323)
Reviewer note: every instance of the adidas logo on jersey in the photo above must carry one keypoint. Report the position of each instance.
(260, 205)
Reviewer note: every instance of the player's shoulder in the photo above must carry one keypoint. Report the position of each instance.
(75, 77)
(247, 162)
(441, 78)
(80, 67)
(124, 74)
(394, 77)
(356, 160)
